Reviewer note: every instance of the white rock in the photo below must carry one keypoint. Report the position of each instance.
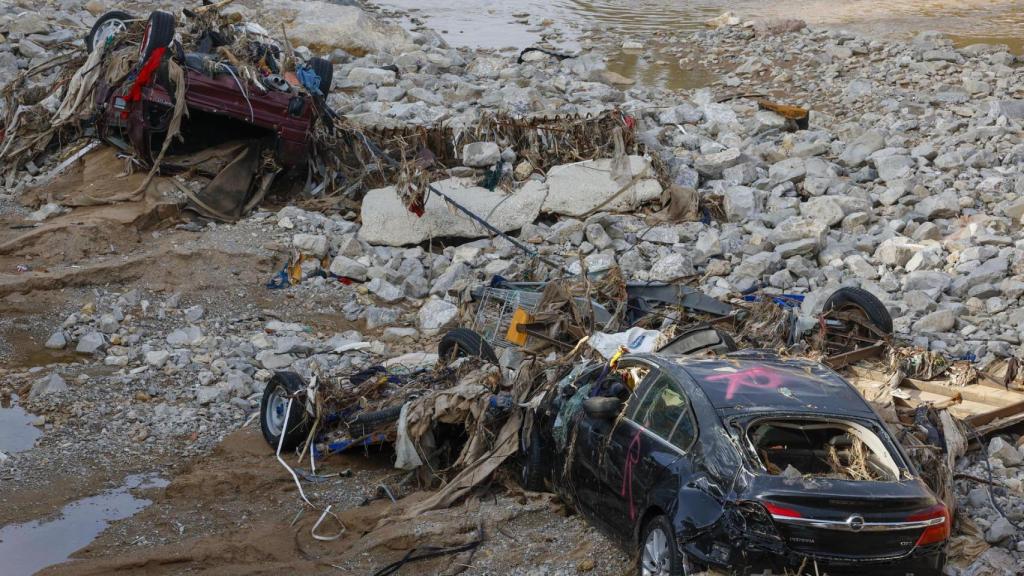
(271, 360)
(480, 154)
(51, 384)
(741, 203)
(376, 76)
(57, 341)
(157, 358)
(672, 267)
(576, 189)
(348, 268)
(938, 321)
(823, 209)
(1004, 451)
(436, 315)
(895, 167)
(386, 220)
(324, 26)
(312, 244)
(91, 342)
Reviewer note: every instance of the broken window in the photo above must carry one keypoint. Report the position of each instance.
(665, 411)
(839, 450)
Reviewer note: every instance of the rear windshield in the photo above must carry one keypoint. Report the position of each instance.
(800, 448)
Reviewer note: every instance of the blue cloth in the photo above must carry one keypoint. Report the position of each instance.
(310, 80)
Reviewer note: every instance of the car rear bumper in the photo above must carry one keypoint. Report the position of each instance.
(925, 561)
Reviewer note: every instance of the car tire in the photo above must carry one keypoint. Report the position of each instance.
(728, 341)
(366, 422)
(325, 70)
(272, 407)
(159, 33)
(532, 474)
(866, 301)
(659, 555)
(115, 19)
(465, 342)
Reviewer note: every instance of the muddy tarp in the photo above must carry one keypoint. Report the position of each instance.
(237, 188)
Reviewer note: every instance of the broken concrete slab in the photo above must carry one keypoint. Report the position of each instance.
(387, 221)
(579, 188)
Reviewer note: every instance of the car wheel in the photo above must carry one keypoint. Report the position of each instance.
(325, 70)
(873, 308)
(274, 406)
(659, 555)
(159, 33)
(465, 342)
(106, 26)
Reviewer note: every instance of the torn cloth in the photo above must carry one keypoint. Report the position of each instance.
(406, 456)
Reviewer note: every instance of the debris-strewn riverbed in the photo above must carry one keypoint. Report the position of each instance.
(137, 339)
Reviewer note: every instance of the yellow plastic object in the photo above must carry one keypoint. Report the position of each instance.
(513, 335)
(295, 271)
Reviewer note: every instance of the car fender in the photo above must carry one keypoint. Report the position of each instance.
(696, 513)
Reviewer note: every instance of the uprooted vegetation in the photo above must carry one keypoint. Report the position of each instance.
(828, 449)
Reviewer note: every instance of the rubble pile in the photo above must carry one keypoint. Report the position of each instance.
(906, 179)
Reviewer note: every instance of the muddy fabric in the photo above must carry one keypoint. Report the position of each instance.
(224, 198)
(176, 75)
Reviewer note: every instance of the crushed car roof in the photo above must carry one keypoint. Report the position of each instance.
(763, 381)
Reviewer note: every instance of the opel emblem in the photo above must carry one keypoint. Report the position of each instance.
(856, 523)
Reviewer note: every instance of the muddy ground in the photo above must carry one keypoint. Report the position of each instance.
(229, 505)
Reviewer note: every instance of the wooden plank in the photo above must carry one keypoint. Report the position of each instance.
(1003, 412)
(973, 392)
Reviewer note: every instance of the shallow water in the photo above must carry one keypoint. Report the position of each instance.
(17, 433)
(521, 23)
(29, 547)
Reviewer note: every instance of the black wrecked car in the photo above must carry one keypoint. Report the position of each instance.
(743, 462)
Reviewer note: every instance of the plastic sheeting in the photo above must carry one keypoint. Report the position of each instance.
(635, 340)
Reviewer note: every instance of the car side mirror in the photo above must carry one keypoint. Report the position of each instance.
(602, 407)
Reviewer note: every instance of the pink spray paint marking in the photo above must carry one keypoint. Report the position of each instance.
(756, 377)
(632, 457)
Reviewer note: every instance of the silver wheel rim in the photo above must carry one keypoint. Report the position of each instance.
(655, 560)
(274, 413)
(107, 30)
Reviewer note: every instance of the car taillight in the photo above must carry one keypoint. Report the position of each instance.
(935, 533)
(776, 510)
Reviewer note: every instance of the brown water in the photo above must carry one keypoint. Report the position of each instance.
(521, 23)
(26, 548)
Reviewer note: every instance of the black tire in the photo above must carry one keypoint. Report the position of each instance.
(367, 422)
(866, 301)
(299, 421)
(102, 21)
(378, 417)
(532, 473)
(325, 70)
(678, 564)
(159, 32)
(465, 342)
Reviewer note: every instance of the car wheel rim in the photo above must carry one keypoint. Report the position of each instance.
(655, 560)
(108, 30)
(274, 413)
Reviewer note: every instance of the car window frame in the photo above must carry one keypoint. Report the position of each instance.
(689, 412)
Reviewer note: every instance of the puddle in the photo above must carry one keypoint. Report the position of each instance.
(522, 23)
(29, 547)
(17, 433)
(21, 349)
